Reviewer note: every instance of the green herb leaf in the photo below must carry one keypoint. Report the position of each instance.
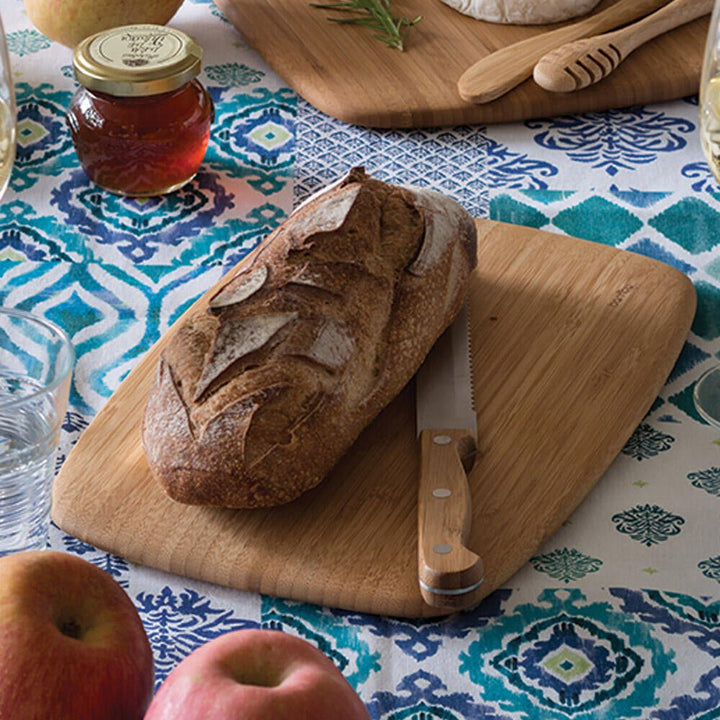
(376, 15)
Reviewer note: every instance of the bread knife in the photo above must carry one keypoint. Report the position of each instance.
(449, 573)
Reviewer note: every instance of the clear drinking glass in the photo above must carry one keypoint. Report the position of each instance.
(7, 115)
(36, 361)
(707, 388)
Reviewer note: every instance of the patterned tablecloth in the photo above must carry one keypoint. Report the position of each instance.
(618, 616)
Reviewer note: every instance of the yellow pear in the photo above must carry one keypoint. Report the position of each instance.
(70, 21)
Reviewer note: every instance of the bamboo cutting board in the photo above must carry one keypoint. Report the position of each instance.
(347, 74)
(572, 342)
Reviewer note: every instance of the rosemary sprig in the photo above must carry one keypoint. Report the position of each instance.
(376, 15)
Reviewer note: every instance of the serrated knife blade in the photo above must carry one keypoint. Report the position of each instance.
(450, 575)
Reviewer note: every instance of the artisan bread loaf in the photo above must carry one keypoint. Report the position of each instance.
(259, 394)
(523, 12)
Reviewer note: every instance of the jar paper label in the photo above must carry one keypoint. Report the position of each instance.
(138, 46)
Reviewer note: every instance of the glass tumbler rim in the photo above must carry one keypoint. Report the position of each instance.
(59, 374)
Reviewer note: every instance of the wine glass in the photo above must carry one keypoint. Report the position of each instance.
(707, 388)
(7, 115)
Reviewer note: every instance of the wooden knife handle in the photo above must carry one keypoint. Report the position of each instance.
(450, 575)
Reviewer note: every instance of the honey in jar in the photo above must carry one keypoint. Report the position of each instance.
(140, 120)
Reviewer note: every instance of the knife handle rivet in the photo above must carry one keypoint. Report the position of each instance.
(441, 492)
(442, 439)
(442, 549)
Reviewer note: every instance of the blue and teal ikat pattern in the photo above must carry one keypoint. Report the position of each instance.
(648, 524)
(617, 615)
(559, 655)
(239, 196)
(566, 564)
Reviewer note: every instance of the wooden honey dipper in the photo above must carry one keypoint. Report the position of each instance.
(584, 62)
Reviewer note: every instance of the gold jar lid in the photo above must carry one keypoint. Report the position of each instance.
(136, 60)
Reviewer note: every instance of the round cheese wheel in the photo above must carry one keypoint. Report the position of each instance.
(523, 12)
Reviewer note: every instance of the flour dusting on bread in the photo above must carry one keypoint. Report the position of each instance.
(262, 389)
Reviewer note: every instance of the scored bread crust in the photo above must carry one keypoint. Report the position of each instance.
(257, 396)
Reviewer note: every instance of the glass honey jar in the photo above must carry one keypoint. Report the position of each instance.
(140, 120)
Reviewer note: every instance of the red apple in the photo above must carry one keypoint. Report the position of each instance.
(256, 675)
(72, 645)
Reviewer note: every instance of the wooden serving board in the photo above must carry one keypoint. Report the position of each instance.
(347, 74)
(572, 342)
